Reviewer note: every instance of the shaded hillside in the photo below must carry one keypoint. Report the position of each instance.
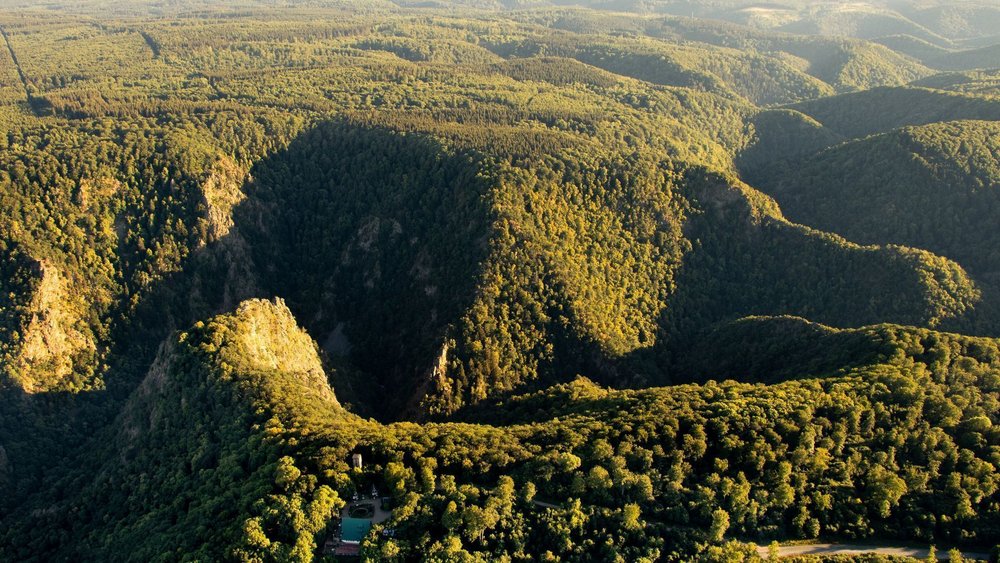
(490, 271)
(882, 109)
(748, 260)
(775, 349)
(782, 135)
(195, 452)
(934, 187)
(915, 47)
(955, 59)
(984, 82)
(540, 266)
(376, 239)
(983, 57)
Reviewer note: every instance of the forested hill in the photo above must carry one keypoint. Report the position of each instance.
(579, 284)
(627, 472)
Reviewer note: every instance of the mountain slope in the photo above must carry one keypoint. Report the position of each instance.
(986, 82)
(749, 260)
(198, 444)
(879, 110)
(543, 266)
(933, 186)
(779, 137)
(505, 229)
(835, 64)
(217, 434)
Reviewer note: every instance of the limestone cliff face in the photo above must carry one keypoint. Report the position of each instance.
(55, 342)
(223, 191)
(264, 337)
(258, 349)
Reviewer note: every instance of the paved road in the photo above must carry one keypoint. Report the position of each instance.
(855, 549)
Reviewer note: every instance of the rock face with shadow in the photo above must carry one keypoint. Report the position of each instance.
(437, 274)
(375, 240)
(202, 436)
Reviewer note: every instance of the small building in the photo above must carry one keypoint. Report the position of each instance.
(347, 550)
(356, 461)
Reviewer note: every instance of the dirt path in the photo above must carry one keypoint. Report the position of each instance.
(857, 549)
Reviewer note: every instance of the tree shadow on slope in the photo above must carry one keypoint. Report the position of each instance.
(926, 187)
(374, 238)
(748, 261)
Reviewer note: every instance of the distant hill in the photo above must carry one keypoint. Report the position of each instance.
(882, 109)
(915, 47)
(940, 22)
(986, 82)
(844, 64)
(762, 80)
(981, 58)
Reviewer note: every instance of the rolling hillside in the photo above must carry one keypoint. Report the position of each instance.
(932, 186)
(592, 282)
(468, 489)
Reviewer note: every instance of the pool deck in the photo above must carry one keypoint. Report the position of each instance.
(379, 516)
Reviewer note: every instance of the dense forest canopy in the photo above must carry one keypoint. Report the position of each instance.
(594, 281)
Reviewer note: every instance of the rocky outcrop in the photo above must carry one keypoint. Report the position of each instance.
(54, 343)
(223, 191)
